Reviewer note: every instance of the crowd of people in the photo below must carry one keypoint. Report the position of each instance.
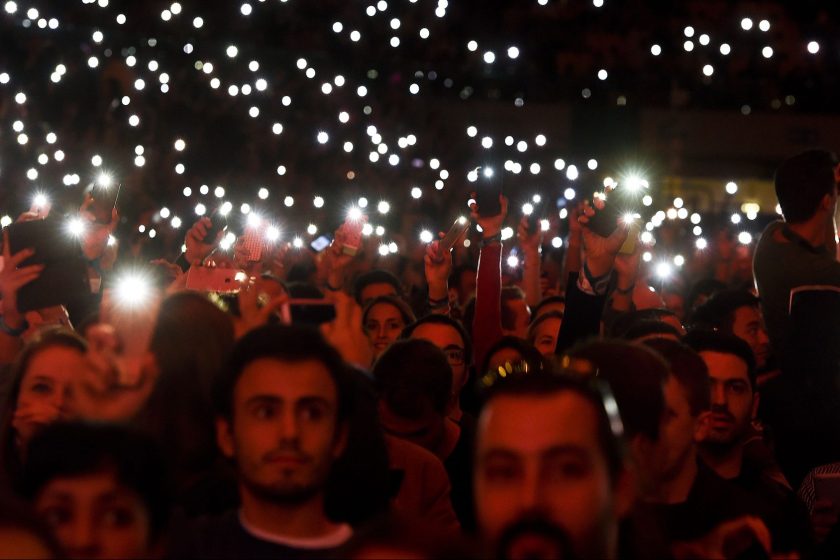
(318, 409)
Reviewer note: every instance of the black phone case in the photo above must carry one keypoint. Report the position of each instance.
(64, 278)
(219, 223)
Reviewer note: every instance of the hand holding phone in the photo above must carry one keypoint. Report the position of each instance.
(456, 232)
(350, 233)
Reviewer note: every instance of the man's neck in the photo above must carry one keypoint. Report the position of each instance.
(301, 521)
(726, 461)
(814, 231)
(677, 489)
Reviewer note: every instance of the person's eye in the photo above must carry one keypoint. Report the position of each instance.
(501, 473)
(119, 517)
(568, 470)
(57, 516)
(265, 411)
(42, 388)
(313, 412)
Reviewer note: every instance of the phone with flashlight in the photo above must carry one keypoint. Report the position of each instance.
(64, 280)
(311, 312)
(104, 195)
(461, 225)
(218, 223)
(629, 245)
(320, 243)
(253, 242)
(217, 280)
(351, 231)
(488, 189)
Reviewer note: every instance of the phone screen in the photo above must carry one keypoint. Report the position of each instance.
(488, 188)
(320, 243)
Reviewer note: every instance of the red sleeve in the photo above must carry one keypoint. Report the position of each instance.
(487, 323)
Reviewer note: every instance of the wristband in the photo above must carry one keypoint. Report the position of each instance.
(599, 284)
(626, 292)
(9, 330)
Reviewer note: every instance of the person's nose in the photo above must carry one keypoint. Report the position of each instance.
(382, 332)
(763, 339)
(718, 394)
(290, 426)
(81, 539)
(530, 496)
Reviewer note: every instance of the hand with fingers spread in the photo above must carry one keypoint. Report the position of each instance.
(197, 249)
(346, 333)
(12, 278)
(600, 251)
(491, 226)
(336, 260)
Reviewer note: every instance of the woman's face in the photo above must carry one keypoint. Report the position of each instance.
(46, 390)
(545, 336)
(383, 326)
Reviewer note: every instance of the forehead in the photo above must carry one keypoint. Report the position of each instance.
(438, 334)
(549, 326)
(377, 289)
(285, 380)
(86, 485)
(532, 424)
(57, 361)
(383, 311)
(725, 366)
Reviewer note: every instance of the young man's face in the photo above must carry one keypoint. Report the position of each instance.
(449, 340)
(749, 327)
(541, 455)
(732, 398)
(284, 433)
(93, 516)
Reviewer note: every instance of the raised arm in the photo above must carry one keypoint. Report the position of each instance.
(487, 324)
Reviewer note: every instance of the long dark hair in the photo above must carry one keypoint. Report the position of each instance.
(52, 337)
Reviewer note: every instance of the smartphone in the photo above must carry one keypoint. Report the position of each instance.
(321, 243)
(253, 241)
(104, 200)
(218, 280)
(459, 227)
(827, 487)
(488, 189)
(218, 223)
(629, 245)
(64, 280)
(310, 312)
(352, 230)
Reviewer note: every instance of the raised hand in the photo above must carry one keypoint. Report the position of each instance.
(251, 314)
(438, 264)
(197, 249)
(491, 226)
(528, 240)
(600, 251)
(12, 279)
(346, 333)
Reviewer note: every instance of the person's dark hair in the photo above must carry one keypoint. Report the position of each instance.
(530, 355)
(413, 374)
(718, 312)
(191, 341)
(16, 514)
(688, 368)
(636, 375)
(645, 328)
(723, 343)
(706, 287)
(435, 319)
(551, 382)
(288, 344)
(802, 181)
(468, 316)
(550, 300)
(51, 337)
(532, 328)
(510, 293)
(628, 320)
(76, 449)
(377, 276)
(405, 311)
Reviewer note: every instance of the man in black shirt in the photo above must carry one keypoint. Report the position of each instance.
(283, 419)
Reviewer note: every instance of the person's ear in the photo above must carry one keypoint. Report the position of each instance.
(224, 437)
(703, 426)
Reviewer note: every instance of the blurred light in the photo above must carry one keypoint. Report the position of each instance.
(557, 242)
(383, 207)
(679, 260)
(416, 192)
(663, 270)
(701, 243)
(745, 238)
(513, 261)
(736, 218)
(731, 187)
(262, 193)
(289, 201)
(725, 49)
(655, 50)
(426, 236)
(813, 47)
(572, 173)
(746, 24)
(764, 25)
(767, 52)
(569, 193)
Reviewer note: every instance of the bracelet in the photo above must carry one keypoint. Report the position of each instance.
(626, 292)
(9, 330)
(331, 288)
(598, 284)
(496, 239)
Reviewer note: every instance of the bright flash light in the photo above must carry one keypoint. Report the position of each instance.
(745, 238)
(527, 208)
(628, 218)
(701, 243)
(76, 227)
(679, 260)
(105, 180)
(383, 207)
(513, 261)
(354, 214)
(254, 220)
(133, 290)
(663, 270)
(426, 236)
(488, 172)
(272, 234)
(40, 200)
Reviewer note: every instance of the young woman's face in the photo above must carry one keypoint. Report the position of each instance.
(46, 390)
(383, 326)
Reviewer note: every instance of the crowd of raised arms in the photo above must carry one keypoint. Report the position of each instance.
(314, 410)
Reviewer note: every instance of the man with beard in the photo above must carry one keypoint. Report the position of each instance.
(550, 476)
(734, 401)
(283, 420)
